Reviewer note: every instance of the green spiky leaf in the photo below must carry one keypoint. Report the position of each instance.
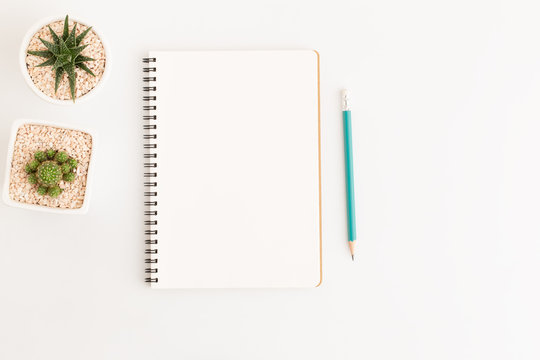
(57, 78)
(70, 70)
(82, 35)
(42, 53)
(61, 61)
(77, 50)
(72, 85)
(71, 40)
(85, 68)
(48, 62)
(53, 35)
(66, 28)
(54, 48)
(64, 49)
(82, 58)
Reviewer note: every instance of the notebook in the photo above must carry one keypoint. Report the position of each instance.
(232, 169)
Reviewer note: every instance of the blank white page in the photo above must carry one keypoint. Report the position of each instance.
(238, 169)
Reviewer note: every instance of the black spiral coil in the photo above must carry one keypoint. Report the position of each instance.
(150, 174)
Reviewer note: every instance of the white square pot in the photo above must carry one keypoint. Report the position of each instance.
(5, 193)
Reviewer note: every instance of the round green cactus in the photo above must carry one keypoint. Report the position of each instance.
(31, 166)
(42, 190)
(49, 173)
(48, 168)
(40, 156)
(66, 168)
(69, 177)
(61, 157)
(32, 179)
(50, 154)
(54, 191)
(73, 163)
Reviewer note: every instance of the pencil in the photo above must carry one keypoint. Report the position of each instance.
(349, 173)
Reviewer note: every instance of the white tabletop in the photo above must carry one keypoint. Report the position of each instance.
(445, 116)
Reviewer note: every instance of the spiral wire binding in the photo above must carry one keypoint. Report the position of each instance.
(150, 174)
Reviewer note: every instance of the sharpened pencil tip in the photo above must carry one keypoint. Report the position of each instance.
(345, 100)
(352, 257)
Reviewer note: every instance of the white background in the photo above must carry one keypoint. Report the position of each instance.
(446, 132)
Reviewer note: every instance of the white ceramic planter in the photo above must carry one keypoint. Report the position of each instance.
(5, 193)
(22, 62)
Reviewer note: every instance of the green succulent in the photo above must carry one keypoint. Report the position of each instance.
(66, 168)
(61, 157)
(42, 190)
(69, 177)
(32, 179)
(40, 156)
(48, 168)
(31, 166)
(54, 191)
(50, 154)
(49, 173)
(73, 163)
(64, 55)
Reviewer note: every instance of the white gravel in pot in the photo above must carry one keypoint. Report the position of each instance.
(43, 77)
(31, 138)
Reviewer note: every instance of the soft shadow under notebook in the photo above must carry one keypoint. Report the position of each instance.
(232, 169)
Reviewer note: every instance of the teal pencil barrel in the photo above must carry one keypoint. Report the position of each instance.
(349, 174)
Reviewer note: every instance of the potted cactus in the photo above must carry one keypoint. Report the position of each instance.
(64, 60)
(49, 167)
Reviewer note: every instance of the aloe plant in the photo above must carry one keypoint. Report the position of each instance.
(64, 55)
